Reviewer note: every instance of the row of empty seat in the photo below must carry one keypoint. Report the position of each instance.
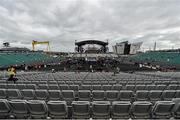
(91, 87)
(85, 109)
(83, 78)
(95, 95)
(92, 82)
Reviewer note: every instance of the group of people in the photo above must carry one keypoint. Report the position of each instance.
(12, 74)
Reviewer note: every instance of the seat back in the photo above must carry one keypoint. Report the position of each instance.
(41, 94)
(57, 109)
(140, 87)
(168, 94)
(37, 108)
(55, 95)
(112, 95)
(84, 95)
(11, 86)
(21, 86)
(101, 109)
(176, 108)
(96, 87)
(64, 87)
(28, 94)
(53, 87)
(142, 95)
(130, 87)
(85, 87)
(125, 95)
(160, 87)
(163, 109)
(155, 95)
(121, 109)
(31, 86)
(150, 87)
(4, 109)
(117, 87)
(68, 96)
(80, 109)
(19, 108)
(98, 95)
(13, 94)
(74, 87)
(141, 109)
(106, 87)
(3, 93)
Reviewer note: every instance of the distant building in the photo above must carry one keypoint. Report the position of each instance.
(125, 48)
(135, 47)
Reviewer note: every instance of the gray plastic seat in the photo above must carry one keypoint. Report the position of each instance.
(43, 86)
(150, 87)
(85, 87)
(74, 87)
(121, 109)
(57, 109)
(178, 87)
(130, 87)
(140, 87)
(112, 82)
(13, 94)
(177, 95)
(68, 96)
(55, 95)
(172, 87)
(125, 95)
(141, 109)
(27, 82)
(162, 109)
(117, 87)
(176, 109)
(80, 109)
(19, 109)
(96, 87)
(160, 87)
(3, 94)
(98, 95)
(31, 86)
(2, 86)
(28, 94)
(155, 95)
(21, 86)
(41, 82)
(101, 109)
(84, 95)
(142, 95)
(37, 108)
(4, 109)
(112, 95)
(168, 94)
(11, 86)
(106, 87)
(52, 82)
(53, 87)
(64, 87)
(41, 94)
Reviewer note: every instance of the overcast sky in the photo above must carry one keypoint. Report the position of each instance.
(63, 21)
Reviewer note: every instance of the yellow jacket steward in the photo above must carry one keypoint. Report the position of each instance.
(11, 71)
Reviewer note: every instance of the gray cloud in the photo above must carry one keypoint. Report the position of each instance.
(63, 21)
